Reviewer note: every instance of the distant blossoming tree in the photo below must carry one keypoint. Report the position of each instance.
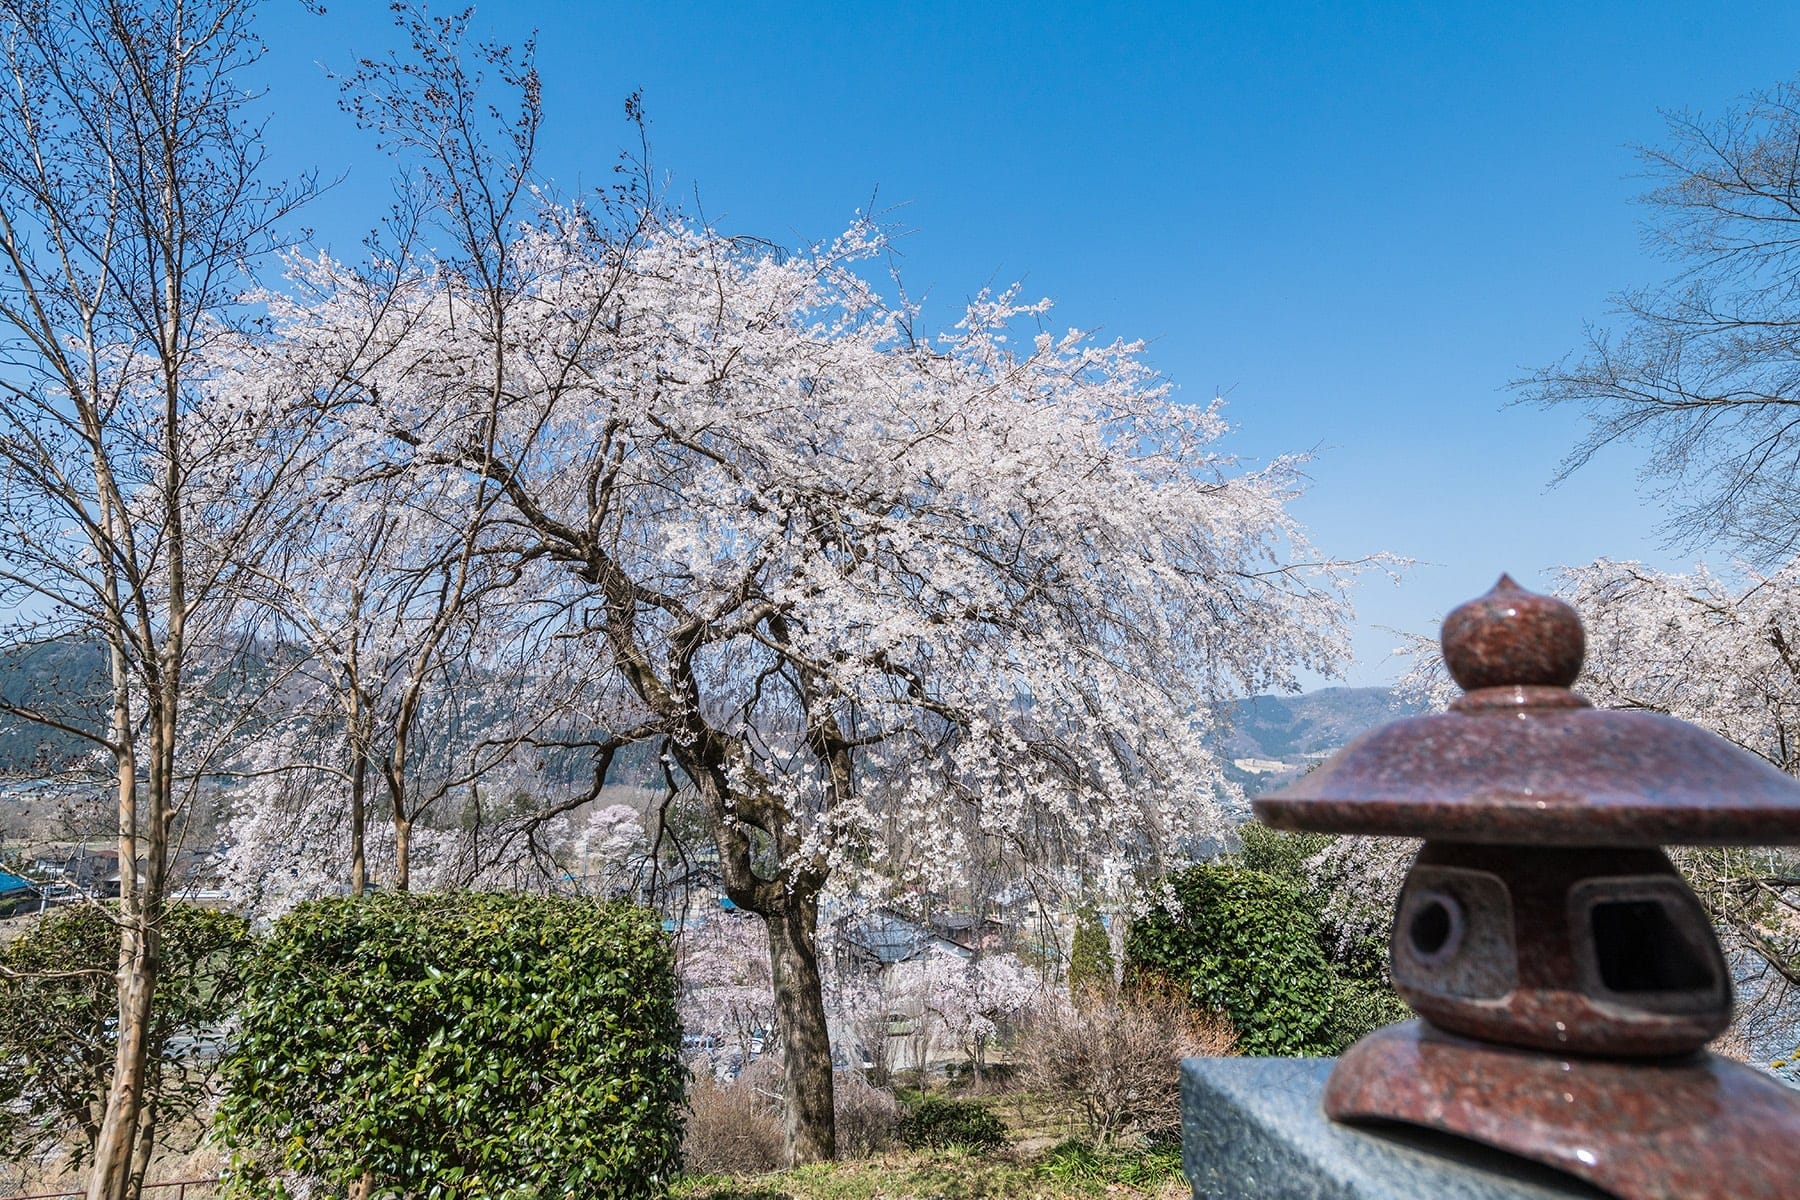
(614, 845)
(1722, 653)
(969, 1000)
(726, 999)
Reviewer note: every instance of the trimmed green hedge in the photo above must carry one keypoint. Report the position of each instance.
(1246, 944)
(462, 1045)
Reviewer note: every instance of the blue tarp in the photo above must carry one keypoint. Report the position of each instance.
(13, 883)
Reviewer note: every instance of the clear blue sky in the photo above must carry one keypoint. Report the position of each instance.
(1358, 220)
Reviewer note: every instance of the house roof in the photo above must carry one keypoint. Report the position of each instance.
(62, 854)
(891, 938)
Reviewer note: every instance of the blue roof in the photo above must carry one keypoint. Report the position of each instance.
(12, 883)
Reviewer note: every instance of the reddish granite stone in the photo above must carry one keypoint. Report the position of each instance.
(1511, 637)
(1691, 1128)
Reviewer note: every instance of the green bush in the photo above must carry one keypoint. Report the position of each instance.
(462, 1045)
(1361, 1007)
(1366, 999)
(1090, 954)
(937, 1121)
(1281, 854)
(59, 1024)
(1246, 944)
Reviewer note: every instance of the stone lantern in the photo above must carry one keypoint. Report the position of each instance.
(1566, 978)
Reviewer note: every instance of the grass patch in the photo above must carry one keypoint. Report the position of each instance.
(1068, 1171)
(1076, 1164)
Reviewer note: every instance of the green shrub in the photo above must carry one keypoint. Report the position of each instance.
(461, 1045)
(1282, 854)
(1090, 954)
(1363, 998)
(1366, 999)
(1361, 1007)
(59, 1024)
(1246, 944)
(937, 1121)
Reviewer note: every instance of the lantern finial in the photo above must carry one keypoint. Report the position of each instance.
(1513, 638)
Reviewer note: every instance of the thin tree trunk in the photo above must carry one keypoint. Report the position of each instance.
(110, 1178)
(805, 1039)
(360, 715)
(399, 802)
(146, 1141)
(359, 782)
(110, 1174)
(141, 905)
(402, 854)
(140, 912)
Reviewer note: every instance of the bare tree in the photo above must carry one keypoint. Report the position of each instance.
(129, 495)
(1704, 369)
(393, 595)
(1114, 1061)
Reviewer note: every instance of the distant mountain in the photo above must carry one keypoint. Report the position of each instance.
(1267, 740)
(63, 679)
(1271, 739)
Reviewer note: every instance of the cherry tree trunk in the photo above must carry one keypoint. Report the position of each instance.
(805, 1039)
(359, 779)
(402, 855)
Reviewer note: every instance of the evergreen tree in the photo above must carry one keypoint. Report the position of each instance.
(1090, 954)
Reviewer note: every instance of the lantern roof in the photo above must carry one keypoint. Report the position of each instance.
(1522, 759)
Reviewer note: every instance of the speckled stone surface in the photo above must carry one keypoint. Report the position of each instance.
(1253, 1129)
(1694, 1127)
(1512, 637)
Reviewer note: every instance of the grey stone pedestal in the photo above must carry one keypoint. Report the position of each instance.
(1252, 1129)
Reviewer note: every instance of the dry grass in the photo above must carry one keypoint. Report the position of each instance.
(1068, 1172)
(735, 1126)
(54, 1174)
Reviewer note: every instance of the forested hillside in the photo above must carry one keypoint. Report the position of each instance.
(65, 680)
(1271, 739)
(68, 680)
